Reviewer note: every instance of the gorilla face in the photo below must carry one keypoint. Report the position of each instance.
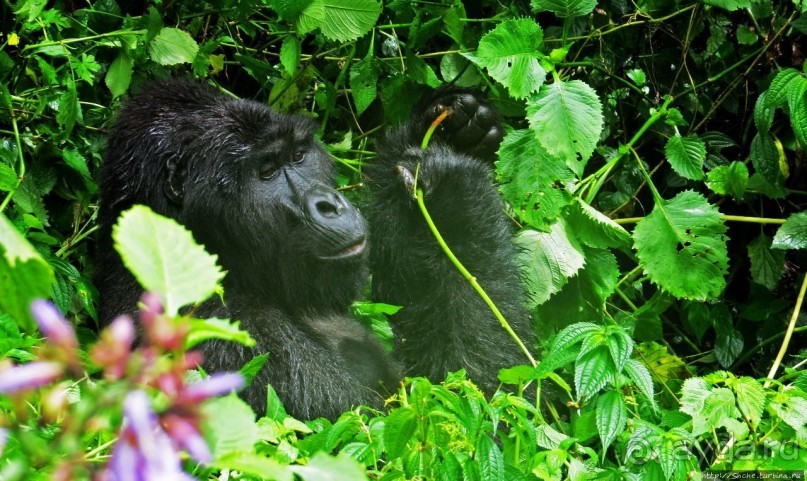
(259, 196)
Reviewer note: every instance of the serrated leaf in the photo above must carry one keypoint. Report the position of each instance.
(686, 156)
(767, 265)
(234, 433)
(567, 120)
(798, 116)
(364, 83)
(777, 93)
(258, 465)
(594, 229)
(536, 184)
(766, 158)
(730, 5)
(119, 75)
(591, 371)
(682, 247)
(173, 46)
(750, 398)
(565, 8)
(729, 179)
(399, 427)
(640, 376)
(347, 20)
(620, 345)
(77, 162)
(792, 234)
(69, 108)
(212, 328)
(164, 258)
(510, 53)
(491, 461)
(574, 334)
(547, 260)
(324, 467)
(24, 275)
(763, 113)
(252, 368)
(8, 178)
(612, 417)
(290, 52)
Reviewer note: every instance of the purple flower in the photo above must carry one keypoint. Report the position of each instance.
(53, 325)
(114, 349)
(3, 439)
(184, 433)
(144, 451)
(29, 376)
(220, 383)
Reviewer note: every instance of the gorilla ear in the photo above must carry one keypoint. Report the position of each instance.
(175, 174)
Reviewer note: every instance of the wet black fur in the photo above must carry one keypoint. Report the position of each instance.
(190, 153)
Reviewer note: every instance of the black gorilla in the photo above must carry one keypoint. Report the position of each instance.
(254, 186)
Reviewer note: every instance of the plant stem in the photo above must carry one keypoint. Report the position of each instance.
(729, 218)
(471, 279)
(788, 334)
(21, 169)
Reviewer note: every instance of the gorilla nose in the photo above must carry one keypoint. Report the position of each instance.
(324, 204)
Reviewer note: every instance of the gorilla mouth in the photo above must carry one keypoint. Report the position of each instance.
(352, 250)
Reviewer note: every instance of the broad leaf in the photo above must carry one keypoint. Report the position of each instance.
(547, 261)
(567, 120)
(729, 179)
(173, 46)
(347, 20)
(234, 433)
(591, 371)
(510, 53)
(69, 108)
(164, 258)
(212, 328)
(793, 233)
(767, 265)
(594, 229)
(324, 467)
(612, 417)
(119, 75)
(768, 157)
(730, 5)
(364, 83)
(565, 8)
(640, 376)
(686, 156)
(24, 275)
(763, 113)
(491, 461)
(781, 86)
(290, 52)
(533, 182)
(750, 398)
(682, 247)
(399, 427)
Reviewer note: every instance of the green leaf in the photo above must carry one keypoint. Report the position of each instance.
(591, 371)
(77, 162)
(686, 156)
(290, 52)
(792, 234)
(257, 465)
(511, 54)
(8, 178)
(565, 8)
(364, 83)
(347, 20)
(594, 229)
(399, 427)
(547, 261)
(682, 247)
(729, 179)
(612, 417)
(536, 184)
(798, 116)
(253, 367)
(746, 36)
(567, 120)
(164, 258)
(763, 113)
(24, 275)
(572, 335)
(173, 46)
(212, 328)
(767, 158)
(234, 433)
(750, 398)
(620, 345)
(781, 86)
(767, 265)
(490, 458)
(730, 5)
(324, 467)
(640, 376)
(69, 108)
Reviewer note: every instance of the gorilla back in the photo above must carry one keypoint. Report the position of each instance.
(254, 186)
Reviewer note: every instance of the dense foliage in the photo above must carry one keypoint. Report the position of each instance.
(653, 167)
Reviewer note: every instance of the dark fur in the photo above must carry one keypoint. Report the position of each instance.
(195, 155)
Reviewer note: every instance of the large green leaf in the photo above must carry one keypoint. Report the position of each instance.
(324, 467)
(510, 53)
(686, 156)
(567, 120)
(682, 247)
(364, 83)
(173, 46)
(768, 158)
(533, 182)
(491, 461)
(594, 229)
(119, 75)
(164, 258)
(729, 179)
(730, 5)
(339, 20)
(399, 427)
(231, 434)
(592, 370)
(767, 265)
(24, 275)
(565, 8)
(612, 416)
(548, 260)
(793, 233)
(782, 87)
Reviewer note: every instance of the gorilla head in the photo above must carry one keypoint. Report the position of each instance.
(251, 184)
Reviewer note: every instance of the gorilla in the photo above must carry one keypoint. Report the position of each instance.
(255, 187)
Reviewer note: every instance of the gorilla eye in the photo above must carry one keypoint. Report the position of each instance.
(268, 170)
(299, 156)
